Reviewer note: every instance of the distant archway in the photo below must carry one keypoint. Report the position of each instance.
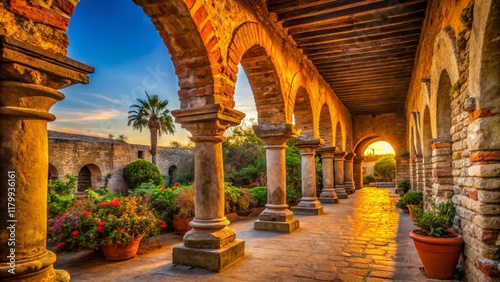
(443, 115)
(53, 172)
(325, 125)
(172, 173)
(89, 176)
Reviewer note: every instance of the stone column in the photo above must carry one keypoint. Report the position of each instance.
(348, 173)
(276, 216)
(413, 174)
(419, 172)
(442, 180)
(339, 174)
(328, 195)
(358, 171)
(211, 244)
(309, 203)
(30, 77)
(427, 171)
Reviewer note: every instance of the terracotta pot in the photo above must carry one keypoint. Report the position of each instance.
(243, 212)
(410, 209)
(181, 225)
(405, 210)
(438, 255)
(121, 252)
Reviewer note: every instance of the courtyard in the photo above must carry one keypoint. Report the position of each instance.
(363, 238)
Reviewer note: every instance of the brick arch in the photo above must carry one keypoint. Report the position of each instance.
(339, 136)
(426, 134)
(304, 116)
(414, 141)
(250, 46)
(367, 140)
(325, 125)
(445, 60)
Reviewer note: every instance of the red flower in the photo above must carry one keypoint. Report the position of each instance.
(173, 188)
(101, 223)
(121, 230)
(87, 213)
(103, 204)
(98, 229)
(60, 244)
(162, 189)
(74, 234)
(114, 202)
(163, 224)
(176, 184)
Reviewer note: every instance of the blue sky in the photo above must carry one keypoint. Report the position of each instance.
(129, 57)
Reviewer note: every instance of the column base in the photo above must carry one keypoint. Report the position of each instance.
(34, 270)
(283, 227)
(215, 260)
(328, 200)
(349, 188)
(328, 196)
(341, 192)
(306, 210)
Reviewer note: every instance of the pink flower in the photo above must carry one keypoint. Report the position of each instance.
(74, 234)
(103, 204)
(60, 244)
(114, 202)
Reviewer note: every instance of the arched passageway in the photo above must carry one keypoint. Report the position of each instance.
(172, 173)
(89, 177)
(53, 172)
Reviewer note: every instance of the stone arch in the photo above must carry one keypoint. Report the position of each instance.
(444, 72)
(426, 134)
(89, 176)
(339, 136)
(53, 172)
(250, 46)
(325, 125)
(303, 113)
(172, 170)
(366, 141)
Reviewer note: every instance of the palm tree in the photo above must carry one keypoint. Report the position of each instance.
(153, 114)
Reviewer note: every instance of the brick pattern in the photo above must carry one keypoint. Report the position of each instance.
(442, 180)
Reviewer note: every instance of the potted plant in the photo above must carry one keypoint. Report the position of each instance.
(244, 203)
(413, 200)
(116, 225)
(401, 204)
(438, 246)
(184, 211)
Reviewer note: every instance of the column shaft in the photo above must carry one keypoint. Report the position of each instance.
(348, 173)
(358, 171)
(328, 195)
(339, 175)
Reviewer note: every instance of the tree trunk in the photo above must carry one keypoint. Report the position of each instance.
(154, 143)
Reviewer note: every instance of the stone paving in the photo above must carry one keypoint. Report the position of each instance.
(363, 238)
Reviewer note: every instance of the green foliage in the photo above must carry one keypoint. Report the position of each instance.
(410, 198)
(61, 195)
(184, 204)
(185, 171)
(404, 154)
(293, 194)
(385, 168)
(151, 113)
(437, 219)
(246, 201)
(260, 195)
(293, 167)
(141, 171)
(405, 186)
(369, 178)
(232, 195)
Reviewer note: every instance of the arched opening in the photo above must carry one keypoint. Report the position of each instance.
(53, 173)
(89, 177)
(172, 170)
(373, 149)
(427, 149)
(443, 113)
(338, 136)
(325, 125)
(303, 115)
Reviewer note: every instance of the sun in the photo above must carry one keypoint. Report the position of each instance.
(379, 148)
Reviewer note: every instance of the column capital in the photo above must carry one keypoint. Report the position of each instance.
(309, 143)
(358, 159)
(339, 155)
(350, 156)
(207, 123)
(328, 151)
(276, 134)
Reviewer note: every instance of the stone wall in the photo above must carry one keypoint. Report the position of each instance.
(69, 153)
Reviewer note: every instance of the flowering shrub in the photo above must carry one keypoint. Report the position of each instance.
(90, 224)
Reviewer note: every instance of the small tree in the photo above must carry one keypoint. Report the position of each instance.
(385, 168)
(142, 171)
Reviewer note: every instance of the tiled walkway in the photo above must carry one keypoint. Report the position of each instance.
(363, 238)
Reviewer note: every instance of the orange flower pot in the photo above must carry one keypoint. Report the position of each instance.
(121, 252)
(410, 209)
(181, 225)
(438, 255)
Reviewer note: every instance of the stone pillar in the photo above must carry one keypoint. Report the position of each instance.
(442, 180)
(328, 195)
(339, 174)
(276, 216)
(419, 172)
(427, 171)
(30, 77)
(348, 173)
(358, 171)
(413, 175)
(402, 169)
(309, 203)
(211, 244)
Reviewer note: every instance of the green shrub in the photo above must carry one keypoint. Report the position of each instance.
(437, 219)
(385, 168)
(260, 195)
(141, 171)
(61, 195)
(405, 186)
(232, 195)
(368, 178)
(413, 198)
(293, 194)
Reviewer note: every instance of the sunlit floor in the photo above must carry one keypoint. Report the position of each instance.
(363, 238)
